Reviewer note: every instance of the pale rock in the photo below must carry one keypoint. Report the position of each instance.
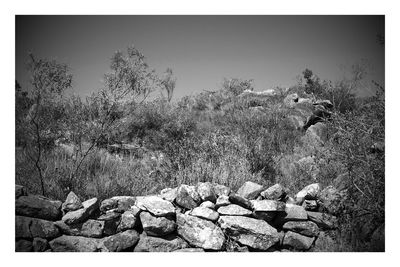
(205, 213)
(234, 210)
(156, 226)
(250, 190)
(155, 205)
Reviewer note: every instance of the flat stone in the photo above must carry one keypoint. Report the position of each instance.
(40, 244)
(157, 244)
(238, 200)
(156, 226)
(169, 194)
(306, 228)
(200, 233)
(222, 200)
(323, 220)
(28, 228)
(124, 203)
(111, 221)
(205, 213)
(72, 202)
(187, 197)
(74, 244)
(251, 232)
(155, 205)
(38, 207)
(128, 219)
(297, 241)
(268, 205)
(206, 192)
(275, 192)
(250, 190)
(292, 213)
(121, 241)
(23, 245)
(221, 190)
(89, 208)
(309, 192)
(234, 210)
(207, 204)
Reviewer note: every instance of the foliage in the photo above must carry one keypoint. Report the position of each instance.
(168, 83)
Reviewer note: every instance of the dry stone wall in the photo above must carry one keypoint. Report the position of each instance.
(189, 218)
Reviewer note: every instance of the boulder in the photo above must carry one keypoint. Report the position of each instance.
(40, 244)
(71, 203)
(169, 194)
(108, 204)
(20, 191)
(205, 213)
(309, 192)
(268, 205)
(28, 228)
(23, 245)
(156, 226)
(92, 228)
(238, 200)
(128, 219)
(111, 221)
(234, 210)
(124, 203)
(250, 190)
(250, 232)
(121, 241)
(275, 192)
(297, 241)
(207, 204)
(187, 197)
(222, 200)
(75, 244)
(318, 132)
(90, 207)
(38, 207)
(221, 190)
(306, 228)
(323, 220)
(156, 244)
(155, 205)
(292, 213)
(200, 233)
(206, 192)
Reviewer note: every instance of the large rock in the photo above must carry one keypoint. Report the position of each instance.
(155, 205)
(297, 241)
(275, 192)
(200, 233)
(23, 245)
(309, 192)
(318, 132)
(71, 203)
(156, 226)
(38, 207)
(169, 194)
(222, 200)
(221, 190)
(292, 213)
(157, 244)
(89, 208)
(306, 228)
(20, 191)
(75, 244)
(205, 213)
(187, 197)
(121, 241)
(206, 192)
(250, 190)
(28, 228)
(124, 203)
(250, 232)
(128, 219)
(111, 221)
(323, 220)
(108, 204)
(268, 205)
(234, 210)
(40, 244)
(241, 201)
(207, 204)
(90, 228)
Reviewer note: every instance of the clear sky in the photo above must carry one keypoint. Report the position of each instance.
(202, 50)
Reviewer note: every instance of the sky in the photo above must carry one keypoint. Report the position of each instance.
(203, 50)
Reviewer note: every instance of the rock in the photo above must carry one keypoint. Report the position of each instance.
(108, 204)
(155, 205)
(268, 205)
(156, 226)
(71, 203)
(238, 200)
(318, 132)
(187, 197)
(234, 210)
(331, 200)
(250, 190)
(377, 243)
(38, 207)
(323, 220)
(20, 191)
(205, 213)
(207, 204)
(292, 213)
(297, 241)
(111, 221)
(275, 192)
(121, 241)
(189, 250)
(222, 200)
(310, 205)
(306, 228)
(200, 233)
(157, 244)
(206, 192)
(128, 219)
(124, 203)
(28, 228)
(92, 228)
(23, 245)
(40, 244)
(309, 192)
(89, 208)
(221, 190)
(250, 232)
(74, 244)
(169, 194)
(291, 100)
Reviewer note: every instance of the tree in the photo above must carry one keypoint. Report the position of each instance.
(168, 83)
(237, 86)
